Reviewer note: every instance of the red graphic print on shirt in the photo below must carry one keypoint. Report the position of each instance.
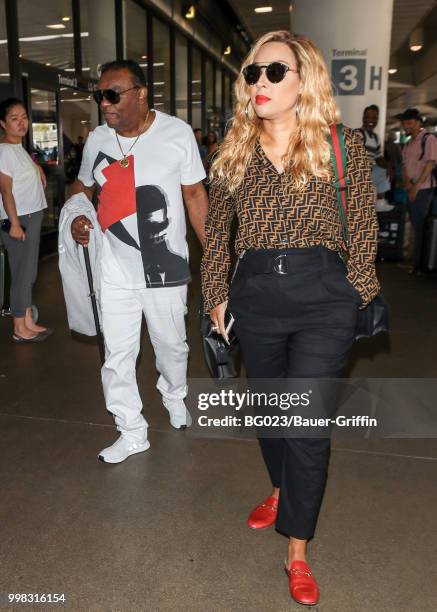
(117, 196)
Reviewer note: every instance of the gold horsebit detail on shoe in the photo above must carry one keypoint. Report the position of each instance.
(272, 507)
(299, 572)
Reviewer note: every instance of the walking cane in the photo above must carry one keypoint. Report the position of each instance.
(94, 303)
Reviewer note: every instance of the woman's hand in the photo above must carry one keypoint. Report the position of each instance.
(217, 315)
(17, 232)
(80, 230)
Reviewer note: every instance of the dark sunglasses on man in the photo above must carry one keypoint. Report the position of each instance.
(275, 72)
(112, 96)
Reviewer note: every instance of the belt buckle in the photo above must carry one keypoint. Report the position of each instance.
(280, 265)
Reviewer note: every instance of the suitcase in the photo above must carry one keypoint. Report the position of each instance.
(391, 234)
(429, 261)
(5, 281)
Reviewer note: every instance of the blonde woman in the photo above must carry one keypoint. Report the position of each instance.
(294, 301)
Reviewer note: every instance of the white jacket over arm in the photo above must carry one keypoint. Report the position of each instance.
(72, 265)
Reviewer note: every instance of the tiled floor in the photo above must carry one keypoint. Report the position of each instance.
(165, 531)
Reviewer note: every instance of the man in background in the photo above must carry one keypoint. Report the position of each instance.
(419, 158)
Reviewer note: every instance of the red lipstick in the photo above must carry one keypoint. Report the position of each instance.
(261, 100)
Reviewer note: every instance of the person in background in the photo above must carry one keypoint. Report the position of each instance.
(382, 185)
(419, 159)
(203, 150)
(294, 301)
(372, 145)
(22, 203)
(370, 137)
(393, 157)
(211, 144)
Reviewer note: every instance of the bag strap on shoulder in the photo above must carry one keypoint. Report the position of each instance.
(338, 158)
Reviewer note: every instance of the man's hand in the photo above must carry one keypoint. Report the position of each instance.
(412, 192)
(196, 201)
(17, 232)
(80, 230)
(217, 315)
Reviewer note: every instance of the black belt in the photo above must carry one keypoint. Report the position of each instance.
(279, 261)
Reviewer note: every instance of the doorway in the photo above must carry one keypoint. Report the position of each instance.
(61, 118)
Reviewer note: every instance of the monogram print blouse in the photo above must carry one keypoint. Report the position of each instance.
(273, 215)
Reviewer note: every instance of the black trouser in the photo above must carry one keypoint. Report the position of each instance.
(419, 211)
(295, 325)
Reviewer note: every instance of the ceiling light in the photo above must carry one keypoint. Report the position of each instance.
(416, 40)
(227, 50)
(144, 57)
(189, 11)
(392, 70)
(66, 18)
(48, 64)
(56, 26)
(263, 9)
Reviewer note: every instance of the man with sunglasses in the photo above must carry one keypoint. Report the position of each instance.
(145, 164)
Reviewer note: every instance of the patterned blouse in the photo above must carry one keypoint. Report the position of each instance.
(272, 215)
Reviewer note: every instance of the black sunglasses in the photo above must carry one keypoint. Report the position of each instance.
(112, 96)
(275, 72)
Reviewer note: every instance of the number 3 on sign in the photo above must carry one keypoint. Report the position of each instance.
(349, 76)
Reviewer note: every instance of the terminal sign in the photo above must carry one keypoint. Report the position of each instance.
(349, 75)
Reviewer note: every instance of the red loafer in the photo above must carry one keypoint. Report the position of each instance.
(303, 586)
(263, 515)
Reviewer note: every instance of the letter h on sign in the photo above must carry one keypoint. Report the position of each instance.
(348, 76)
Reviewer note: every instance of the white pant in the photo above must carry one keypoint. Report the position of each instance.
(122, 309)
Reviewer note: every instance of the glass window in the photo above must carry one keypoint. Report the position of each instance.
(46, 32)
(209, 86)
(181, 77)
(196, 89)
(227, 90)
(45, 151)
(135, 33)
(97, 20)
(4, 65)
(161, 66)
(76, 119)
(218, 88)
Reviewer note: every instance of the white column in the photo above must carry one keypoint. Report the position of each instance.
(354, 38)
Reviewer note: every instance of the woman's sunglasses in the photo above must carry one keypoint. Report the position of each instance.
(112, 96)
(275, 72)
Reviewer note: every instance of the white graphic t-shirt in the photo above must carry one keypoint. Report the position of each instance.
(141, 209)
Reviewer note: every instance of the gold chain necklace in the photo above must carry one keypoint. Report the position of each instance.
(124, 162)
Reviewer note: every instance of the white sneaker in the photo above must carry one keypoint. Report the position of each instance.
(179, 415)
(122, 449)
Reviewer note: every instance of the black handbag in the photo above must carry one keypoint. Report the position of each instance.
(223, 360)
(374, 318)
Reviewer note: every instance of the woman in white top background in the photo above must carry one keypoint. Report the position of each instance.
(22, 203)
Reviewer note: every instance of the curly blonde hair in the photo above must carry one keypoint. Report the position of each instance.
(308, 152)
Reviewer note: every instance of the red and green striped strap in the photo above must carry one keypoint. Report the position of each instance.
(338, 157)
